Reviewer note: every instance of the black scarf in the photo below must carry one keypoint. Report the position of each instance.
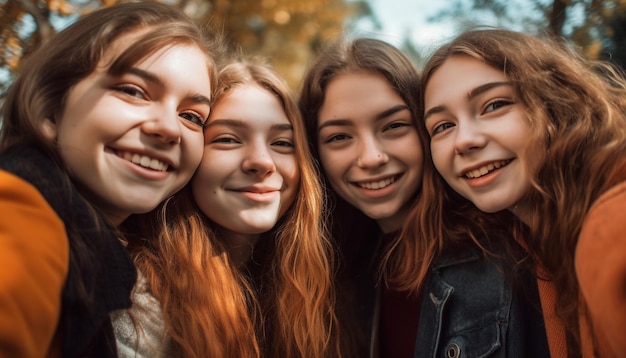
(101, 273)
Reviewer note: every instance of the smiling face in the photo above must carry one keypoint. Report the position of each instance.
(132, 140)
(479, 133)
(369, 147)
(248, 177)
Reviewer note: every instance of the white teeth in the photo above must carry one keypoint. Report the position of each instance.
(485, 169)
(377, 184)
(145, 161)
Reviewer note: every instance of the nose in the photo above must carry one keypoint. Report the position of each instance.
(164, 125)
(371, 154)
(258, 161)
(469, 137)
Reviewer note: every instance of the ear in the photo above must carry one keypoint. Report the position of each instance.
(48, 128)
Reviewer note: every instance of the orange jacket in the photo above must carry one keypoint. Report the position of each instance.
(34, 253)
(601, 270)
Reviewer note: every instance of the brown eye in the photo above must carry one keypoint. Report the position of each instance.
(337, 138)
(131, 90)
(193, 118)
(395, 125)
(497, 104)
(441, 127)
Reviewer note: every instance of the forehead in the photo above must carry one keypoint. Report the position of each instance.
(124, 42)
(458, 75)
(119, 45)
(251, 103)
(357, 94)
(354, 84)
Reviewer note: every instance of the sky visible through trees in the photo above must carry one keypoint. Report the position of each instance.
(289, 32)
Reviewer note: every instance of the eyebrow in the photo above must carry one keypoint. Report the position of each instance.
(484, 88)
(151, 77)
(382, 115)
(470, 95)
(237, 123)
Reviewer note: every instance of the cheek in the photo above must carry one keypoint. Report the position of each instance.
(531, 157)
(530, 152)
(418, 165)
(332, 164)
(417, 157)
(209, 173)
(203, 185)
(438, 157)
(192, 150)
(290, 172)
(291, 181)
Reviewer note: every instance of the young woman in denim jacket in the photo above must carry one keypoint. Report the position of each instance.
(531, 127)
(360, 104)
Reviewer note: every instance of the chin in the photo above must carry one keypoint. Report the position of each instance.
(491, 208)
(144, 209)
(252, 231)
(255, 229)
(377, 216)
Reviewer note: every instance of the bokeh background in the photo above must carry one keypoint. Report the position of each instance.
(288, 33)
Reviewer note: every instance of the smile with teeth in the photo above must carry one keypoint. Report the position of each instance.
(144, 161)
(486, 169)
(375, 185)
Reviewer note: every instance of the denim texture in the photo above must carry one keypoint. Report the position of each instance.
(471, 308)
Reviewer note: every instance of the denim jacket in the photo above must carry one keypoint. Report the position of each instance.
(470, 308)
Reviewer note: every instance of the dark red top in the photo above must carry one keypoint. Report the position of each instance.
(399, 318)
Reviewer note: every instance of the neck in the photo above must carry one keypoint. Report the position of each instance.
(240, 246)
(114, 220)
(392, 223)
(522, 211)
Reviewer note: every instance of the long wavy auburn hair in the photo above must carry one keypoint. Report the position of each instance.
(285, 307)
(577, 112)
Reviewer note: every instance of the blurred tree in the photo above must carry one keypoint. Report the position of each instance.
(597, 26)
(413, 52)
(286, 32)
(25, 24)
(614, 46)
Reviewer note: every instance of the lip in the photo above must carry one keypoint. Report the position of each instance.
(379, 188)
(485, 168)
(258, 193)
(258, 189)
(484, 174)
(145, 159)
(377, 183)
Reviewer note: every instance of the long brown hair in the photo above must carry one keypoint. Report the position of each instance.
(357, 236)
(47, 76)
(212, 308)
(577, 112)
(343, 56)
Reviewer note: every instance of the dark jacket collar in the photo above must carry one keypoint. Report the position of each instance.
(101, 274)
